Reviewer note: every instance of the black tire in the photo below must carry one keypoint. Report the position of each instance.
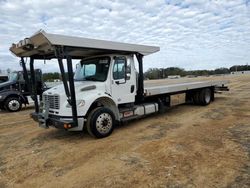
(205, 96)
(101, 122)
(196, 98)
(2, 107)
(13, 104)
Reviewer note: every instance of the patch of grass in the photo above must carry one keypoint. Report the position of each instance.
(241, 134)
(160, 130)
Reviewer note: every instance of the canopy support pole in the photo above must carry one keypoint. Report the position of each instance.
(64, 79)
(72, 89)
(140, 89)
(25, 74)
(34, 86)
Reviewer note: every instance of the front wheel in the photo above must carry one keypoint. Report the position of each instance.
(100, 122)
(2, 107)
(13, 104)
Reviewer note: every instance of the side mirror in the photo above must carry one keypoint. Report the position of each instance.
(76, 66)
(128, 76)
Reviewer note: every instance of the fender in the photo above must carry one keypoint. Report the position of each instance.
(108, 102)
(12, 93)
(99, 98)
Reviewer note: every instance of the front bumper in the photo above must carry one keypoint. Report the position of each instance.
(54, 121)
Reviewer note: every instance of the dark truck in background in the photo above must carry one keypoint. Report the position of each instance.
(14, 92)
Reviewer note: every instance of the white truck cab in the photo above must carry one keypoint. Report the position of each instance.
(115, 72)
(108, 78)
(105, 88)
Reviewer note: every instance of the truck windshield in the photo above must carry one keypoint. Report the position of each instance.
(13, 76)
(95, 69)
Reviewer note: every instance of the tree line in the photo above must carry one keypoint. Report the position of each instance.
(51, 76)
(158, 73)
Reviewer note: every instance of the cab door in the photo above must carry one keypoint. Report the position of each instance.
(122, 86)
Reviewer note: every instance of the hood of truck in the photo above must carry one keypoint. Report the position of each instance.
(80, 86)
(5, 85)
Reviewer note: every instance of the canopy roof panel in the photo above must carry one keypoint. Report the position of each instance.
(42, 45)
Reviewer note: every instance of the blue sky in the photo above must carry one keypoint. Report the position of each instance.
(193, 34)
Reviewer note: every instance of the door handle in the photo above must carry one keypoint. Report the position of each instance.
(132, 88)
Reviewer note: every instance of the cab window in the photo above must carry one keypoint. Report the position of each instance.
(119, 68)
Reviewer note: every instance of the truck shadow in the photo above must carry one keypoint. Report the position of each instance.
(216, 99)
(23, 110)
(59, 135)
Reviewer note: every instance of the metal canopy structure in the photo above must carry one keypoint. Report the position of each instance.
(44, 45)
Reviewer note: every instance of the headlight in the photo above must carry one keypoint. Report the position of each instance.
(1, 96)
(79, 103)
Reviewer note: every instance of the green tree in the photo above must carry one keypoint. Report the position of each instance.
(222, 70)
(50, 77)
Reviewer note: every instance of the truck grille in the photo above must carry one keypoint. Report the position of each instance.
(52, 100)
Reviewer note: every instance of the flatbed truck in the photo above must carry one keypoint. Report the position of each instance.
(106, 88)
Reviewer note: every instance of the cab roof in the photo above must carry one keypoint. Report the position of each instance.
(43, 45)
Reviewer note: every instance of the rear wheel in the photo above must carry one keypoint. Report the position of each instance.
(13, 104)
(196, 98)
(205, 96)
(100, 122)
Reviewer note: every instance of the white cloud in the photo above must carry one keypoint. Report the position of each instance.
(193, 34)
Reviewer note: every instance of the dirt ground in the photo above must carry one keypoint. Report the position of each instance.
(189, 146)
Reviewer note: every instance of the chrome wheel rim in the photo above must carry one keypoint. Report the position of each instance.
(207, 97)
(14, 105)
(104, 123)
